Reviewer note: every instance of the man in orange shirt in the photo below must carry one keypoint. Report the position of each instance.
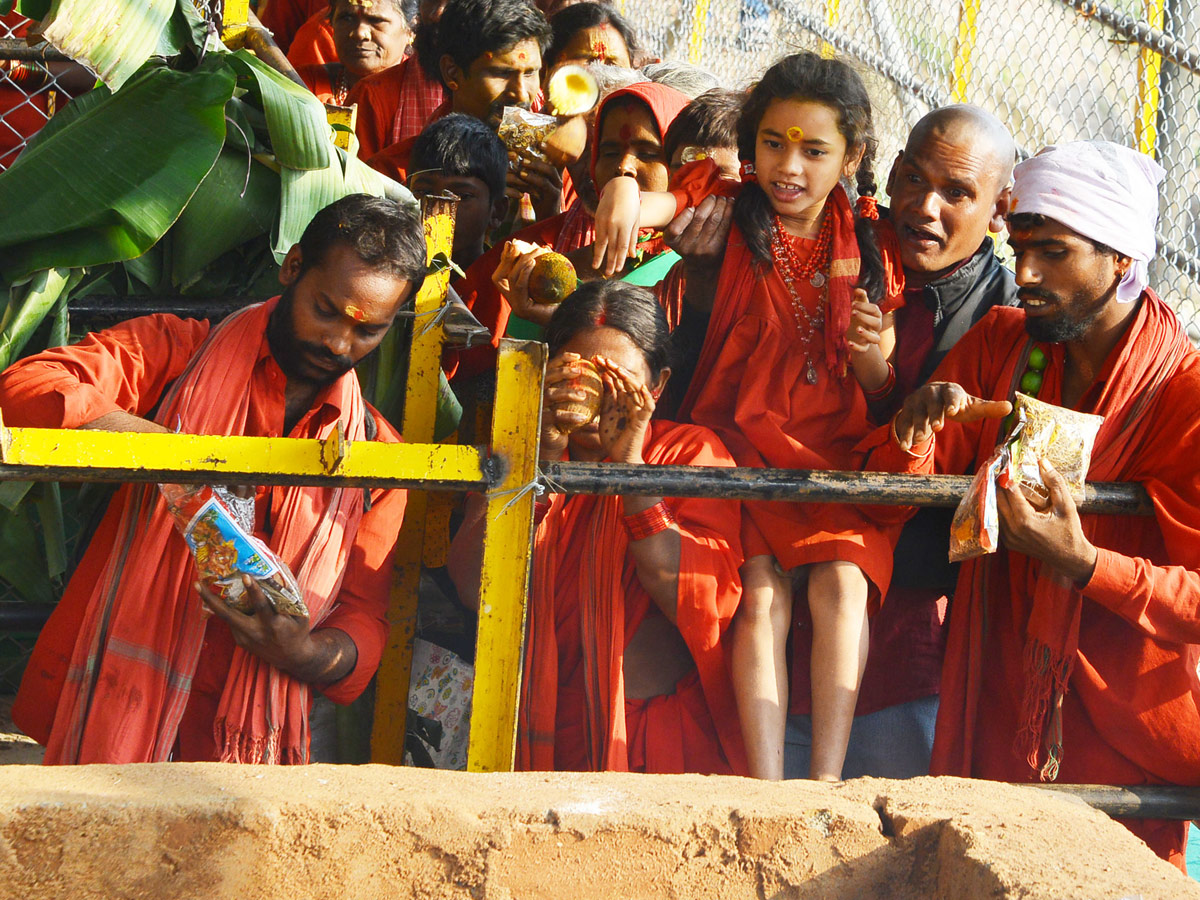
(129, 668)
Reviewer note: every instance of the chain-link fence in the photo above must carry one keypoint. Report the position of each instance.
(1053, 70)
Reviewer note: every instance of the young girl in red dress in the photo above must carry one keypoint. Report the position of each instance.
(797, 344)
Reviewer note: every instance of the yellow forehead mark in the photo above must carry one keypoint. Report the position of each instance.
(795, 134)
(355, 313)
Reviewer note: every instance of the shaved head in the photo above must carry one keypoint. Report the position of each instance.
(972, 126)
(948, 187)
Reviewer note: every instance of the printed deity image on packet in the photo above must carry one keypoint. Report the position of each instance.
(1062, 437)
(225, 549)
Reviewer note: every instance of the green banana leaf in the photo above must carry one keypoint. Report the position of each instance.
(236, 202)
(160, 136)
(22, 559)
(300, 135)
(28, 305)
(113, 37)
(34, 9)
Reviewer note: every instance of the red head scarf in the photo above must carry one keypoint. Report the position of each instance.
(664, 103)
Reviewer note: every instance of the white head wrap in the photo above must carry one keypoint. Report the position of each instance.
(1101, 190)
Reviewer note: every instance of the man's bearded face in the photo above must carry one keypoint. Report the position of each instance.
(1064, 282)
(331, 315)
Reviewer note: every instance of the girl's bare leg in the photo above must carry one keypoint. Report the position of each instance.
(758, 636)
(837, 597)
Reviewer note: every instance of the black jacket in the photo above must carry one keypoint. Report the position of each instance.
(958, 301)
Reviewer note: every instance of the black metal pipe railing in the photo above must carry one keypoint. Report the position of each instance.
(1101, 497)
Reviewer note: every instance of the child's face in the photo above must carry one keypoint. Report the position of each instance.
(799, 156)
(474, 215)
(629, 143)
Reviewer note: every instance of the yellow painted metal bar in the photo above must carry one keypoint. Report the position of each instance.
(85, 454)
(968, 35)
(833, 11)
(1149, 84)
(507, 544)
(235, 19)
(342, 120)
(699, 27)
(420, 410)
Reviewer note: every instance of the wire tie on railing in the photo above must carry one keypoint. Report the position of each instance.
(541, 484)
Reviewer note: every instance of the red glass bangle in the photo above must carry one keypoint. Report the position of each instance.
(649, 522)
(884, 389)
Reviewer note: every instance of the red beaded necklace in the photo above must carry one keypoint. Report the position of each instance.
(785, 251)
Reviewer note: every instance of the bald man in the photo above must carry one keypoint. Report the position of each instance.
(949, 186)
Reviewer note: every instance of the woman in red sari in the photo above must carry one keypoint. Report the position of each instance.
(624, 668)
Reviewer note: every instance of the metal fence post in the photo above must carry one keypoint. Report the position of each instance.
(507, 547)
(420, 410)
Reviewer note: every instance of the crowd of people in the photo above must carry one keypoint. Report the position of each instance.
(744, 300)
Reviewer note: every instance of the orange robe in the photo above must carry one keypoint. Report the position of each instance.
(395, 105)
(128, 368)
(283, 18)
(313, 44)
(587, 604)
(320, 81)
(1123, 649)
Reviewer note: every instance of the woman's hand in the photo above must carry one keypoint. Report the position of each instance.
(624, 413)
(511, 279)
(561, 413)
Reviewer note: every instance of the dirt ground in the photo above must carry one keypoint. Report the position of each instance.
(246, 832)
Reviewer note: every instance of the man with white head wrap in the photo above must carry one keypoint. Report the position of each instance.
(1072, 650)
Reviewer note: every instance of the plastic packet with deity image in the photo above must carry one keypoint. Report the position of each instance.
(522, 130)
(225, 550)
(1062, 437)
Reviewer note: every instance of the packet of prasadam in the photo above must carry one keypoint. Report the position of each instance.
(522, 130)
(1062, 437)
(225, 550)
(975, 529)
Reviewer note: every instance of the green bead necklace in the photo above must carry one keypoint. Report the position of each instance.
(1031, 381)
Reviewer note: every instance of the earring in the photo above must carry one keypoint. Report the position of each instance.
(453, 85)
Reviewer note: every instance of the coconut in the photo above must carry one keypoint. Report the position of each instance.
(553, 279)
(572, 91)
(580, 412)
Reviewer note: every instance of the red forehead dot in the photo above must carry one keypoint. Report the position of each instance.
(626, 131)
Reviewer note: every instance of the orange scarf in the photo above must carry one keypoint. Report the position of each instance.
(137, 649)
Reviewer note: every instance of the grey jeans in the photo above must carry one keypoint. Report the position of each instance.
(895, 742)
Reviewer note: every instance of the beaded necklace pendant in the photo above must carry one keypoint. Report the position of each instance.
(793, 272)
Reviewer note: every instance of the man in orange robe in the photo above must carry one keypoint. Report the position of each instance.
(1072, 651)
(129, 669)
